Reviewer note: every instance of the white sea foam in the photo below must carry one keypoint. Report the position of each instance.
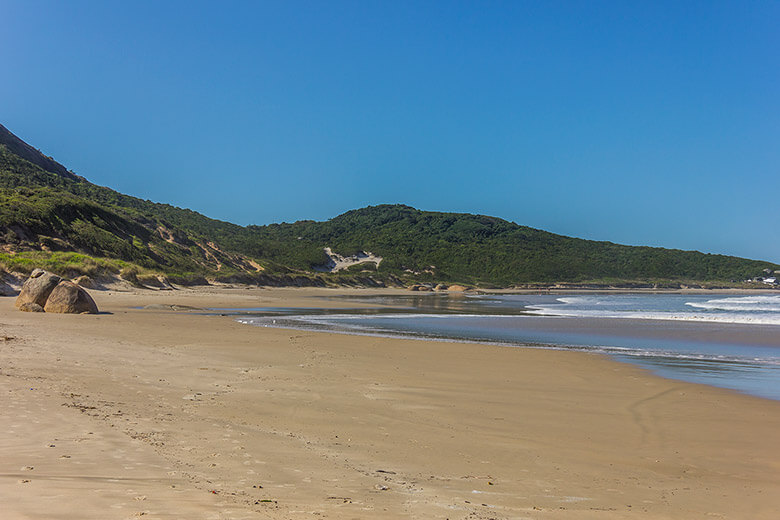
(580, 300)
(744, 304)
(768, 319)
(760, 310)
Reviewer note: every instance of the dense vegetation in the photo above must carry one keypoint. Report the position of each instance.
(44, 207)
(475, 248)
(44, 210)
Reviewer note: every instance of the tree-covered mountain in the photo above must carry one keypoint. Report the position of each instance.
(47, 209)
(476, 248)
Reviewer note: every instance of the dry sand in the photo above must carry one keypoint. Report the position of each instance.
(155, 414)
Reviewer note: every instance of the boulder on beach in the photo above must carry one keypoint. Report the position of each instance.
(69, 298)
(85, 282)
(37, 288)
(30, 307)
(457, 288)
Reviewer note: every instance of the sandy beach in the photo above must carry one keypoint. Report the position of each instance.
(166, 414)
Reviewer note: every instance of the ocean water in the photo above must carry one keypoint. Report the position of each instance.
(717, 339)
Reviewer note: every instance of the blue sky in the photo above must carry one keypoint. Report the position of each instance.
(647, 123)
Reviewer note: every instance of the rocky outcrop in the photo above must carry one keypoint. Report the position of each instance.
(37, 288)
(69, 298)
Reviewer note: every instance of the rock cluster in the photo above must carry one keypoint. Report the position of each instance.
(37, 288)
(47, 292)
(428, 287)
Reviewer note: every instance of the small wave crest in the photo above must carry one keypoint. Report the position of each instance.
(756, 319)
(743, 304)
(754, 310)
(582, 300)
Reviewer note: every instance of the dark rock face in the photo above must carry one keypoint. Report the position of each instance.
(30, 307)
(37, 288)
(69, 298)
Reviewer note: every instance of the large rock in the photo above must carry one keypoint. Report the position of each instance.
(457, 288)
(37, 288)
(69, 298)
(30, 307)
(85, 282)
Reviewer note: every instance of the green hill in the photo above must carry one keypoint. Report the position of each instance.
(479, 249)
(51, 217)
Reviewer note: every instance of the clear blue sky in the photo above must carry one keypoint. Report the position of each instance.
(652, 123)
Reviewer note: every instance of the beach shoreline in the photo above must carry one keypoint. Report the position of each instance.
(170, 414)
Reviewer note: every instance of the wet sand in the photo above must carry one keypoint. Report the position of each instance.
(162, 414)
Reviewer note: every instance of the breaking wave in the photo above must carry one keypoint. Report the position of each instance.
(764, 310)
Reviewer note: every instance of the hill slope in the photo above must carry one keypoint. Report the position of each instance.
(23, 150)
(45, 207)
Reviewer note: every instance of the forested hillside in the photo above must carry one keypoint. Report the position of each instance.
(49, 215)
(475, 248)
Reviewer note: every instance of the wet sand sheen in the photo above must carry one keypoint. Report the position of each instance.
(742, 357)
(333, 426)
